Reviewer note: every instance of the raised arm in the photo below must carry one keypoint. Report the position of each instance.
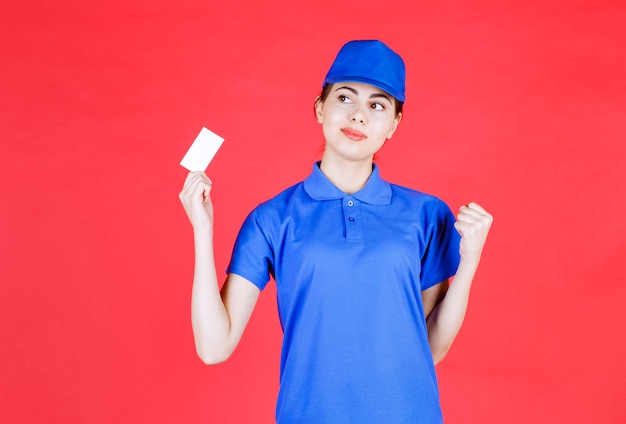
(449, 303)
(218, 318)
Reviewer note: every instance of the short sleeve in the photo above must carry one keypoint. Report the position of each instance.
(252, 256)
(441, 256)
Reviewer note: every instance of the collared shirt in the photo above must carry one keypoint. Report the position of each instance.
(349, 272)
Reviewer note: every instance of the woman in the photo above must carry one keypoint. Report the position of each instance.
(361, 266)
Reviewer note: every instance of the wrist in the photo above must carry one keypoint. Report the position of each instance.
(202, 230)
(468, 266)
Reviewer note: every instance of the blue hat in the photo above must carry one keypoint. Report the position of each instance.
(370, 62)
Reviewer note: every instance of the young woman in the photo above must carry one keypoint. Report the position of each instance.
(361, 266)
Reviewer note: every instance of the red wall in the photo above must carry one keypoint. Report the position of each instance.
(517, 105)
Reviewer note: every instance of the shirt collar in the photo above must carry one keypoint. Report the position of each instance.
(376, 191)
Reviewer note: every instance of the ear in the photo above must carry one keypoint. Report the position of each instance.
(319, 109)
(394, 126)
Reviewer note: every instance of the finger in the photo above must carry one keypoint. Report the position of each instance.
(476, 207)
(196, 186)
(191, 176)
(482, 221)
(477, 211)
(461, 227)
(467, 218)
(190, 185)
(472, 210)
(206, 193)
(202, 188)
(195, 176)
(468, 214)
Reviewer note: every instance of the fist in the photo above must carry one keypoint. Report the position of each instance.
(473, 223)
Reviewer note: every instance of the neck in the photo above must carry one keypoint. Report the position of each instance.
(348, 176)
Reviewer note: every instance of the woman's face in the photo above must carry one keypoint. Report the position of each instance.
(357, 119)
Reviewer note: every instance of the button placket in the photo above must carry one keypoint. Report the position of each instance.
(352, 217)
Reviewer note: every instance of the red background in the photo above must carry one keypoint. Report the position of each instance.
(517, 105)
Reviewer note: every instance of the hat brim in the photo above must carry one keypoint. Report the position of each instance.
(396, 95)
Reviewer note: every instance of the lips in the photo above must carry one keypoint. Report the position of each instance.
(353, 134)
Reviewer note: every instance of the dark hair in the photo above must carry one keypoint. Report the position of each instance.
(327, 89)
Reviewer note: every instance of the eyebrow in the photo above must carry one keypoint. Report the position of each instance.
(375, 95)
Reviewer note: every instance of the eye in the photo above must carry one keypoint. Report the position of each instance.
(344, 99)
(378, 106)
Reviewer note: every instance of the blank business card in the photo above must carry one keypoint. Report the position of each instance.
(202, 151)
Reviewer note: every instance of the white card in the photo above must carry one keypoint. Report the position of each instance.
(202, 151)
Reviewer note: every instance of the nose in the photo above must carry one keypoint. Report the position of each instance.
(358, 116)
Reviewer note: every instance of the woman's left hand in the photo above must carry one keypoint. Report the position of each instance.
(473, 223)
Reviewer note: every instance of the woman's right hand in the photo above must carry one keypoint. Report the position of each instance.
(196, 199)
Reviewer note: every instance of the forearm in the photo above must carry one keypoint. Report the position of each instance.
(445, 321)
(210, 321)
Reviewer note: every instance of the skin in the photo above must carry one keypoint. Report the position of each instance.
(357, 119)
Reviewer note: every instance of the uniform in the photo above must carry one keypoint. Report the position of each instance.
(349, 272)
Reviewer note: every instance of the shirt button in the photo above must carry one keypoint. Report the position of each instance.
(350, 203)
(351, 219)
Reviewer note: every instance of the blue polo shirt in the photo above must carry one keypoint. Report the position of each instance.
(349, 272)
